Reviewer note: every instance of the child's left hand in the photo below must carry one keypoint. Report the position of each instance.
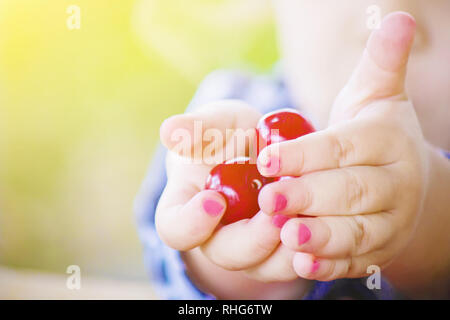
(364, 178)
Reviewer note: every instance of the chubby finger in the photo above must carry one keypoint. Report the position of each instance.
(243, 244)
(362, 141)
(206, 131)
(184, 226)
(337, 237)
(310, 267)
(381, 71)
(277, 267)
(346, 191)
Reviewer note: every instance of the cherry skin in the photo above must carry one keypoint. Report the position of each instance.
(239, 181)
(289, 123)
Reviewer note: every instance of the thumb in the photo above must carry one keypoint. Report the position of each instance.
(381, 71)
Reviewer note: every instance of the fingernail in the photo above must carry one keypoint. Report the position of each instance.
(270, 165)
(315, 266)
(279, 220)
(304, 234)
(280, 203)
(212, 207)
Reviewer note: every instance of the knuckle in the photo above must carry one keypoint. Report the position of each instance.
(330, 274)
(360, 233)
(343, 150)
(351, 267)
(357, 267)
(333, 272)
(262, 248)
(356, 190)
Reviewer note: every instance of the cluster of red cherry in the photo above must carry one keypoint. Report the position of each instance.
(239, 180)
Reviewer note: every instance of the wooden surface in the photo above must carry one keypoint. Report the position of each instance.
(28, 284)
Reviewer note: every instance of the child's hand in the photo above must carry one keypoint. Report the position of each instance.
(364, 177)
(188, 216)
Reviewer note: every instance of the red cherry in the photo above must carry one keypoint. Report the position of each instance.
(289, 123)
(239, 181)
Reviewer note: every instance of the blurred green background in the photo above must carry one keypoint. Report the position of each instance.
(80, 112)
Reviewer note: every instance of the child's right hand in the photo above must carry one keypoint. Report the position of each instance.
(188, 216)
